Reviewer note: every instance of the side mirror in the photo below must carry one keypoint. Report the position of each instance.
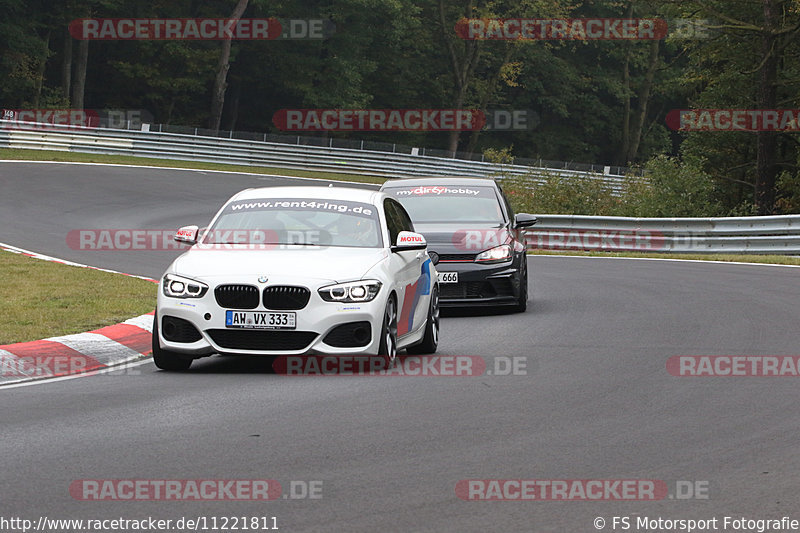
(408, 240)
(187, 235)
(524, 220)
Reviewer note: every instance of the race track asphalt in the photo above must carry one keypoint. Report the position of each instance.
(595, 400)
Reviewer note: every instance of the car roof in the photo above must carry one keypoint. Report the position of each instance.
(439, 180)
(312, 192)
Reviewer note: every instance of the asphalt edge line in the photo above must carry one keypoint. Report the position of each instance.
(121, 366)
(43, 257)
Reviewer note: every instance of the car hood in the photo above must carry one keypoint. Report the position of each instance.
(472, 237)
(331, 263)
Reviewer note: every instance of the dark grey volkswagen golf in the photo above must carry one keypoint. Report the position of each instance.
(472, 231)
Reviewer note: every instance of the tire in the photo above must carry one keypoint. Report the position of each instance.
(164, 359)
(522, 301)
(430, 341)
(388, 345)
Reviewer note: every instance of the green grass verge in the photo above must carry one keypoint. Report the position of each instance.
(737, 258)
(44, 299)
(56, 155)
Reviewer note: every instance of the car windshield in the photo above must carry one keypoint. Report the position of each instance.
(297, 221)
(451, 203)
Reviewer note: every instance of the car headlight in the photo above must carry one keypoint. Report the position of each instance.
(498, 254)
(180, 287)
(354, 291)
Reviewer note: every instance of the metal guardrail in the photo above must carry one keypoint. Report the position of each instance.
(744, 235)
(253, 152)
(741, 235)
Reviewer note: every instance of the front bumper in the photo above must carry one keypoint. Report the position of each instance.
(313, 324)
(480, 285)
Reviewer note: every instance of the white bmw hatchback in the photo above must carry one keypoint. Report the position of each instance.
(296, 271)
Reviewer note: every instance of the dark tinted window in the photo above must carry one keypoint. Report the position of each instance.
(393, 221)
(402, 215)
(450, 203)
(509, 210)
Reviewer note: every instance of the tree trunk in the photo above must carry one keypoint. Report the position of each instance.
(625, 142)
(644, 100)
(473, 138)
(626, 109)
(220, 83)
(455, 135)
(66, 67)
(79, 80)
(40, 71)
(767, 141)
(462, 67)
(233, 109)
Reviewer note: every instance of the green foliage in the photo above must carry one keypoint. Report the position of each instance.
(404, 54)
(671, 188)
(789, 192)
(140, 82)
(549, 193)
(500, 156)
(22, 51)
